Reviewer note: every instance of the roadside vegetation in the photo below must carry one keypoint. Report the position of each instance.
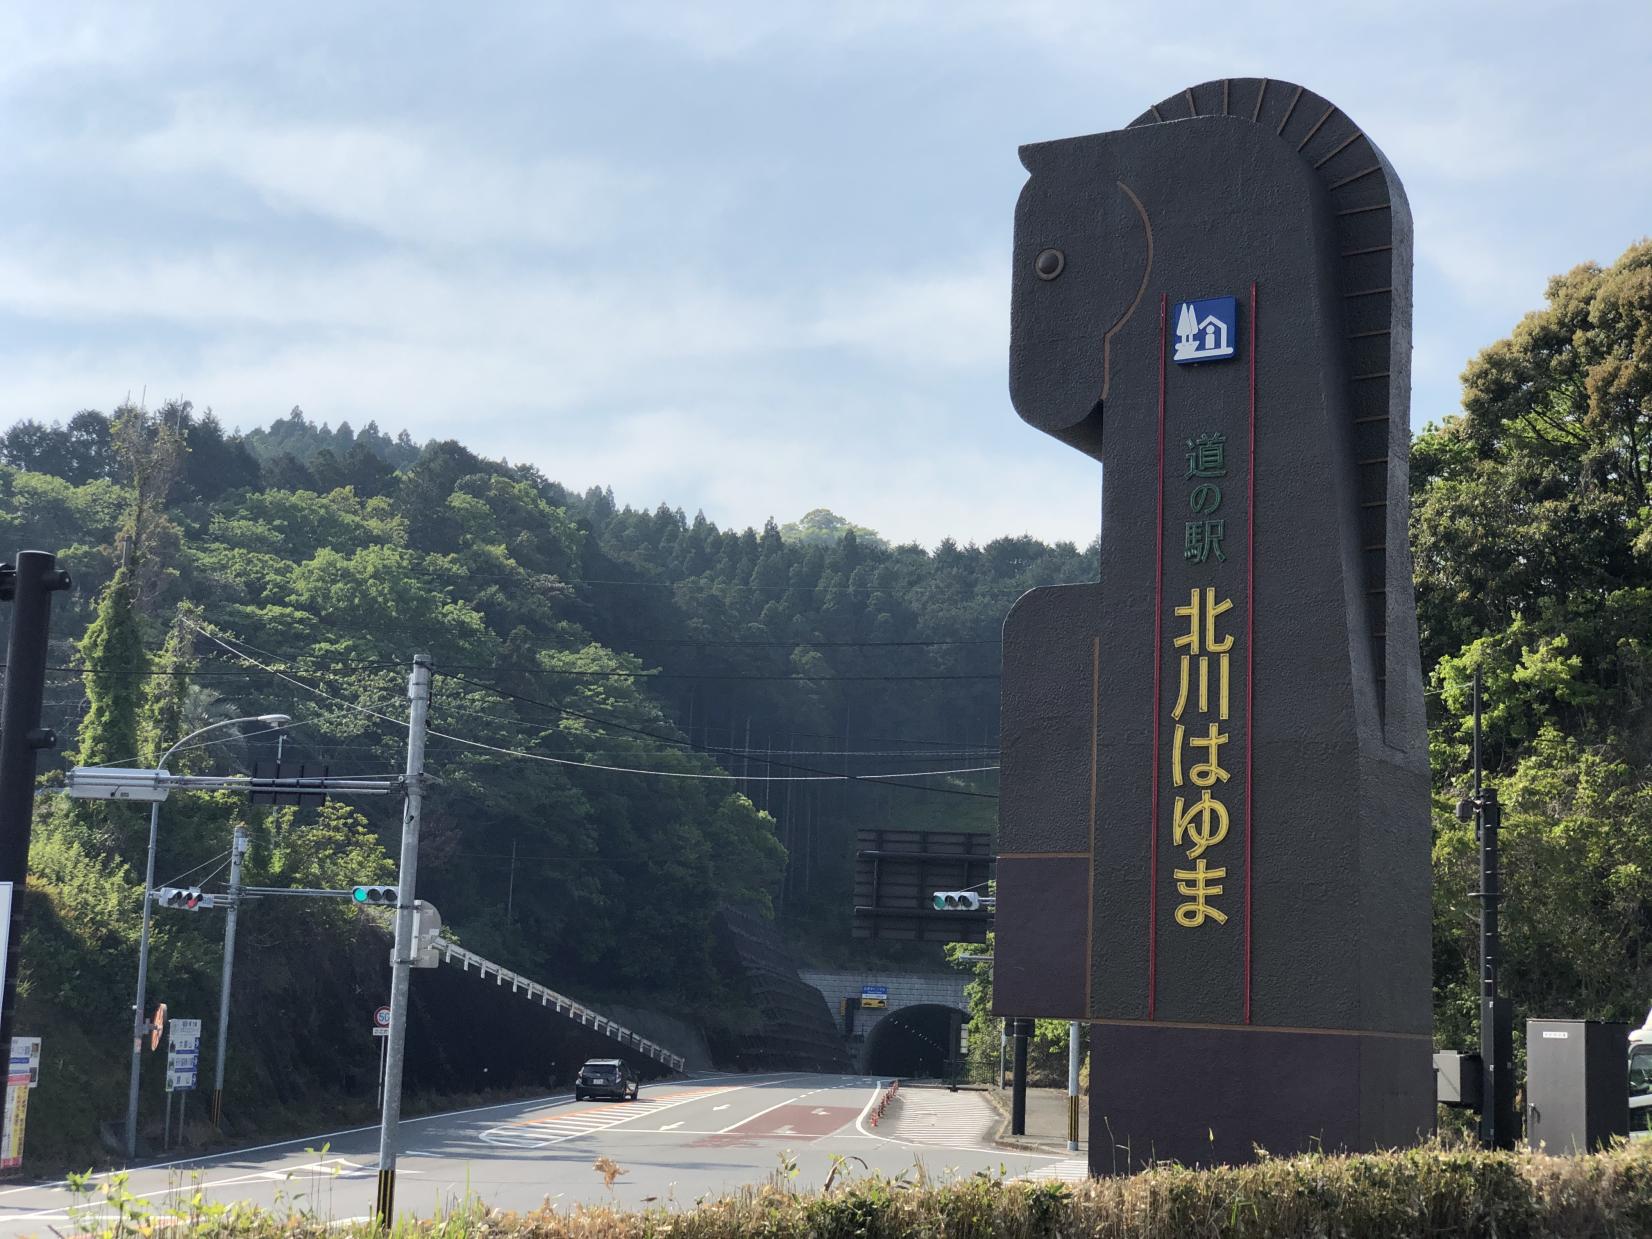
(1437, 1191)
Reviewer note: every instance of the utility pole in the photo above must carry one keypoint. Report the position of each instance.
(28, 584)
(237, 849)
(140, 1022)
(1497, 1116)
(401, 963)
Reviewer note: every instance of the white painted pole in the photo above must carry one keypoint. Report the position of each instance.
(1072, 1085)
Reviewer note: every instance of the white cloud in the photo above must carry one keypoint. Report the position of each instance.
(399, 184)
(934, 321)
(645, 244)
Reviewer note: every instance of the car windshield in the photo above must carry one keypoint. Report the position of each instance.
(1640, 1070)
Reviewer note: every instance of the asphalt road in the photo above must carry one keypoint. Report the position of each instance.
(682, 1140)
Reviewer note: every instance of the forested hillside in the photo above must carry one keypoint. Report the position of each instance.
(637, 717)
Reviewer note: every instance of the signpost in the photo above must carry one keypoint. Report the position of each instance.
(381, 1031)
(22, 1074)
(183, 1065)
(1214, 827)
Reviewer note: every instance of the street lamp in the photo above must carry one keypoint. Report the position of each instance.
(140, 1022)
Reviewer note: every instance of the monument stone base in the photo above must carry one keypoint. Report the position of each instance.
(1205, 1095)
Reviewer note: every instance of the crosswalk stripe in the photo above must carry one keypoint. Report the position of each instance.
(556, 1128)
(1069, 1170)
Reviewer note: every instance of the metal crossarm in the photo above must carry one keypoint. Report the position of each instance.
(563, 1005)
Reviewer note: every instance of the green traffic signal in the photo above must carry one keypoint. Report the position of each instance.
(373, 894)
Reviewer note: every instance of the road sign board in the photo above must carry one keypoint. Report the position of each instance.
(183, 1054)
(24, 1067)
(12, 1126)
(874, 996)
(381, 1018)
(381, 1032)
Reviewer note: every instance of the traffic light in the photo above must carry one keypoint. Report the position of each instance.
(374, 894)
(189, 898)
(957, 901)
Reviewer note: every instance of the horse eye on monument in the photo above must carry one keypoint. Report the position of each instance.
(1049, 264)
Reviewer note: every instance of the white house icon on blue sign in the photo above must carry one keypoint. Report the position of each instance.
(1206, 330)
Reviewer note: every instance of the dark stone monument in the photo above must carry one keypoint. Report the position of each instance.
(1214, 827)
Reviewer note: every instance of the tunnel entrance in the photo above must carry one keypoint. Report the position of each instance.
(914, 1043)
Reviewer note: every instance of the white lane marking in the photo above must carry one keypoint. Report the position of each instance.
(860, 1126)
(673, 1126)
(235, 1154)
(877, 1087)
(724, 1106)
(751, 1118)
(337, 1167)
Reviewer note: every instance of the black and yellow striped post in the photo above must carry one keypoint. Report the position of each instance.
(384, 1203)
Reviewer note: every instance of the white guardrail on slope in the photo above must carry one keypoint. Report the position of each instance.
(563, 1005)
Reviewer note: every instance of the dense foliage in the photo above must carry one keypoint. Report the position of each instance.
(1532, 527)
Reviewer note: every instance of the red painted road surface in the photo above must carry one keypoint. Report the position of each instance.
(800, 1121)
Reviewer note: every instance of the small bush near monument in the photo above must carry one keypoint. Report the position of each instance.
(1435, 1191)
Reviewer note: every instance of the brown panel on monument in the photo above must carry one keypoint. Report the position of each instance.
(1046, 811)
(1044, 972)
(1215, 303)
(1203, 1095)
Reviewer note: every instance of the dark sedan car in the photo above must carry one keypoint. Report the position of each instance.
(605, 1077)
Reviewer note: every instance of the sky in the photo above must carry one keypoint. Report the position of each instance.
(745, 258)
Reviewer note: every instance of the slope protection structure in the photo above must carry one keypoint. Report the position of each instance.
(792, 1028)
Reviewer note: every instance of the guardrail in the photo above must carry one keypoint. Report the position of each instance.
(563, 1005)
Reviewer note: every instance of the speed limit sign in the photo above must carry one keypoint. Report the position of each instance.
(381, 1022)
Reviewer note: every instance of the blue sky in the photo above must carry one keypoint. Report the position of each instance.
(746, 258)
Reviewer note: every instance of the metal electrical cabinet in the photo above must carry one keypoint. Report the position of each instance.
(1577, 1084)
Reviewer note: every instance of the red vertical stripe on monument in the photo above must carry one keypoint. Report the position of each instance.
(1250, 640)
(1158, 659)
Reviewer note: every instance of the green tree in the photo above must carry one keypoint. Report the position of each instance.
(114, 663)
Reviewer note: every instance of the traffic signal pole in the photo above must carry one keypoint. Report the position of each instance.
(401, 963)
(238, 849)
(28, 583)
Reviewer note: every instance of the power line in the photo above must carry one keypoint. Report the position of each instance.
(815, 774)
(563, 761)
